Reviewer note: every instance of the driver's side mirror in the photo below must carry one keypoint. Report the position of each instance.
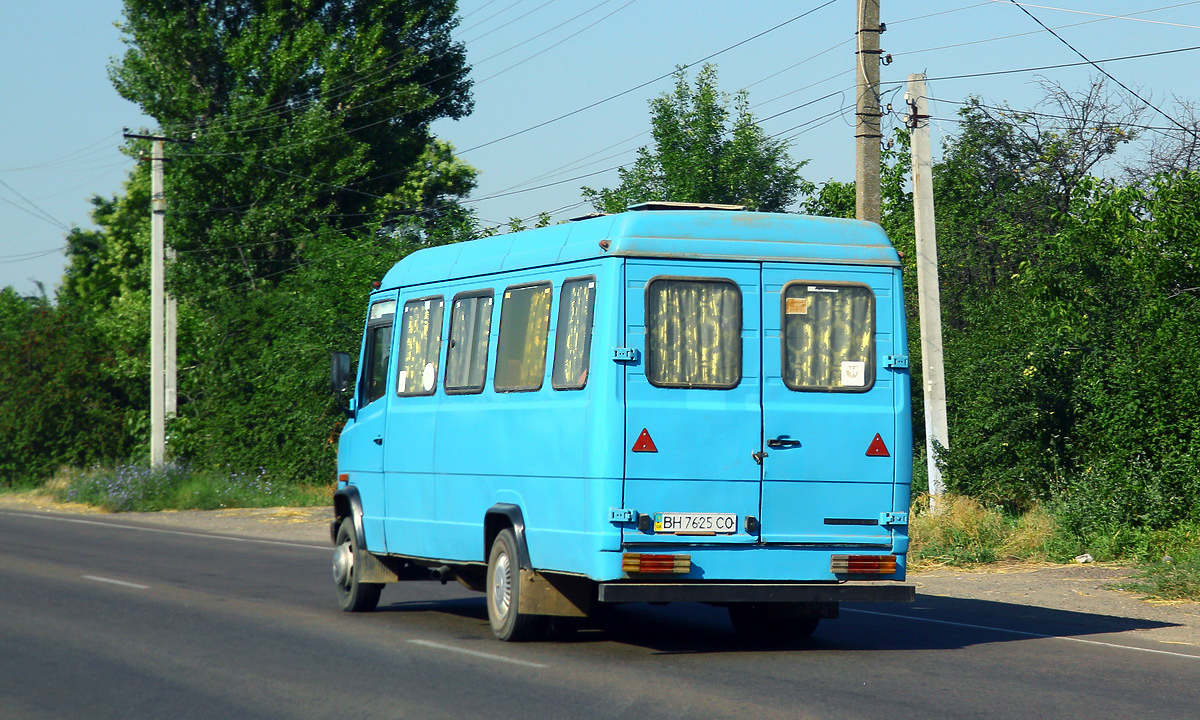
(340, 379)
(339, 373)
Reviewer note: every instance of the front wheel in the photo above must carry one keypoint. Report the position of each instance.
(504, 592)
(353, 596)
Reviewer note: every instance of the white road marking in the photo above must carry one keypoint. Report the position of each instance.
(122, 583)
(163, 531)
(476, 653)
(1024, 633)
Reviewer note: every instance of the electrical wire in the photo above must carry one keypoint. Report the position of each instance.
(40, 213)
(1120, 17)
(1050, 67)
(1106, 73)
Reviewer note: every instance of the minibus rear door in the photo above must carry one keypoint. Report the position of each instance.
(693, 418)
(829, 415)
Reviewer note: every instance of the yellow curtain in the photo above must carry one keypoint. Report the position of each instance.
(420, 344)
(693, 333)
(573, 334)
(521, 351)
(827, 337)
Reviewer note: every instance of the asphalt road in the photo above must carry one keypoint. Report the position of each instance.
(108, 617)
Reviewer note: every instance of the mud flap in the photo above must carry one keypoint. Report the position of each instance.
(558, 595)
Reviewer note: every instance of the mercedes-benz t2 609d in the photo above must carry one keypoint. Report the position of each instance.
(671, 404)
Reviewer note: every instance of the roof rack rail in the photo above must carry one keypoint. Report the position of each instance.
(663, 205)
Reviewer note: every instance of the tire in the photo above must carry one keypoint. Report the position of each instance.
(755, 622)
(503, 592)
(353, 596)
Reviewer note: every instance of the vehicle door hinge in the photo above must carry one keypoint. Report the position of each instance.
(623, 354)
(622, 515)
(896, 361)
(893, 518)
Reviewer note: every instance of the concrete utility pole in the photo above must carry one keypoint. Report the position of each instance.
(866, 127)
(929, 297)
(162, 311)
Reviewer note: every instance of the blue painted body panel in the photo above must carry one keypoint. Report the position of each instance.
(563, 456)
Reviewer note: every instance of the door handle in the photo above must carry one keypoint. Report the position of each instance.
(783, 441)
(378, 440)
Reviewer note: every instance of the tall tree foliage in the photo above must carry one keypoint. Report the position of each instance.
(704, 152)
(304, 167)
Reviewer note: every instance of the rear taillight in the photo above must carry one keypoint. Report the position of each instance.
(643, 563)
(863, 564)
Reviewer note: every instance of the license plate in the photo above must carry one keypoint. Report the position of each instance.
(695, 523)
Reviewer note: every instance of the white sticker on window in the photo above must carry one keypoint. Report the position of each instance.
(854, 373)
(428, 376)
(402, 381)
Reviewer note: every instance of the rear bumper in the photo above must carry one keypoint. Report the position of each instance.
(756, 592)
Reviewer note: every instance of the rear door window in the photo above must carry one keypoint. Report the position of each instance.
(693, 333)
(828, 332)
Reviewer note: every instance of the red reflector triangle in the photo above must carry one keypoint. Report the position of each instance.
(644, 443)
(878, 449)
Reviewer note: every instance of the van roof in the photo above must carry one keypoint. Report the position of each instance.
(684, 234)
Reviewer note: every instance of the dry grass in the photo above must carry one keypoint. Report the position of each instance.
(962, 531)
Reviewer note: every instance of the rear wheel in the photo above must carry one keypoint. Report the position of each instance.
(353, 596)
(758, 622)
(504, 592)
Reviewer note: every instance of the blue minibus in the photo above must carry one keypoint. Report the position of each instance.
(677, 403)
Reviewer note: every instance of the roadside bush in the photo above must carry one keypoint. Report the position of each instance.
(176, 487)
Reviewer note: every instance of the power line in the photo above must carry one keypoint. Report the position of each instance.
(1102, 70)
(41, 214)
(1121, 17)
(1052, 67)
(648, 82)
(1024, 34)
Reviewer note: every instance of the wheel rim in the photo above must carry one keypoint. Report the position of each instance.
(343, 564)
(502, 586)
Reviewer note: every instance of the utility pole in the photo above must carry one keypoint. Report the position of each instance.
(929, 297)
(162, 310)
(867, 135)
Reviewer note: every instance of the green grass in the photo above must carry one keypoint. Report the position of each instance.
(1174, 579)
(963, 532)
(138, 488)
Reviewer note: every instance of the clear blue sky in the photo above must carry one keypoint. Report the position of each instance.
(535, 61)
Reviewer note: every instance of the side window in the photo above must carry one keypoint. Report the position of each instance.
(573, 339)
(693, 333)
(466, 356)
(828, 337)
(521, 347)
(378, 350)
(420, 344)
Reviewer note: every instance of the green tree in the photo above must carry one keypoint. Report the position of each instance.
(704, 152)
(57, 408)
(305, 167)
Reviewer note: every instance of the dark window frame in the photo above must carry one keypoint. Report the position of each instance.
(400, 345)
(500, 338)
(558, 334)
(740, 328)
(489, 293)
(369, 345)
(872, 364)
